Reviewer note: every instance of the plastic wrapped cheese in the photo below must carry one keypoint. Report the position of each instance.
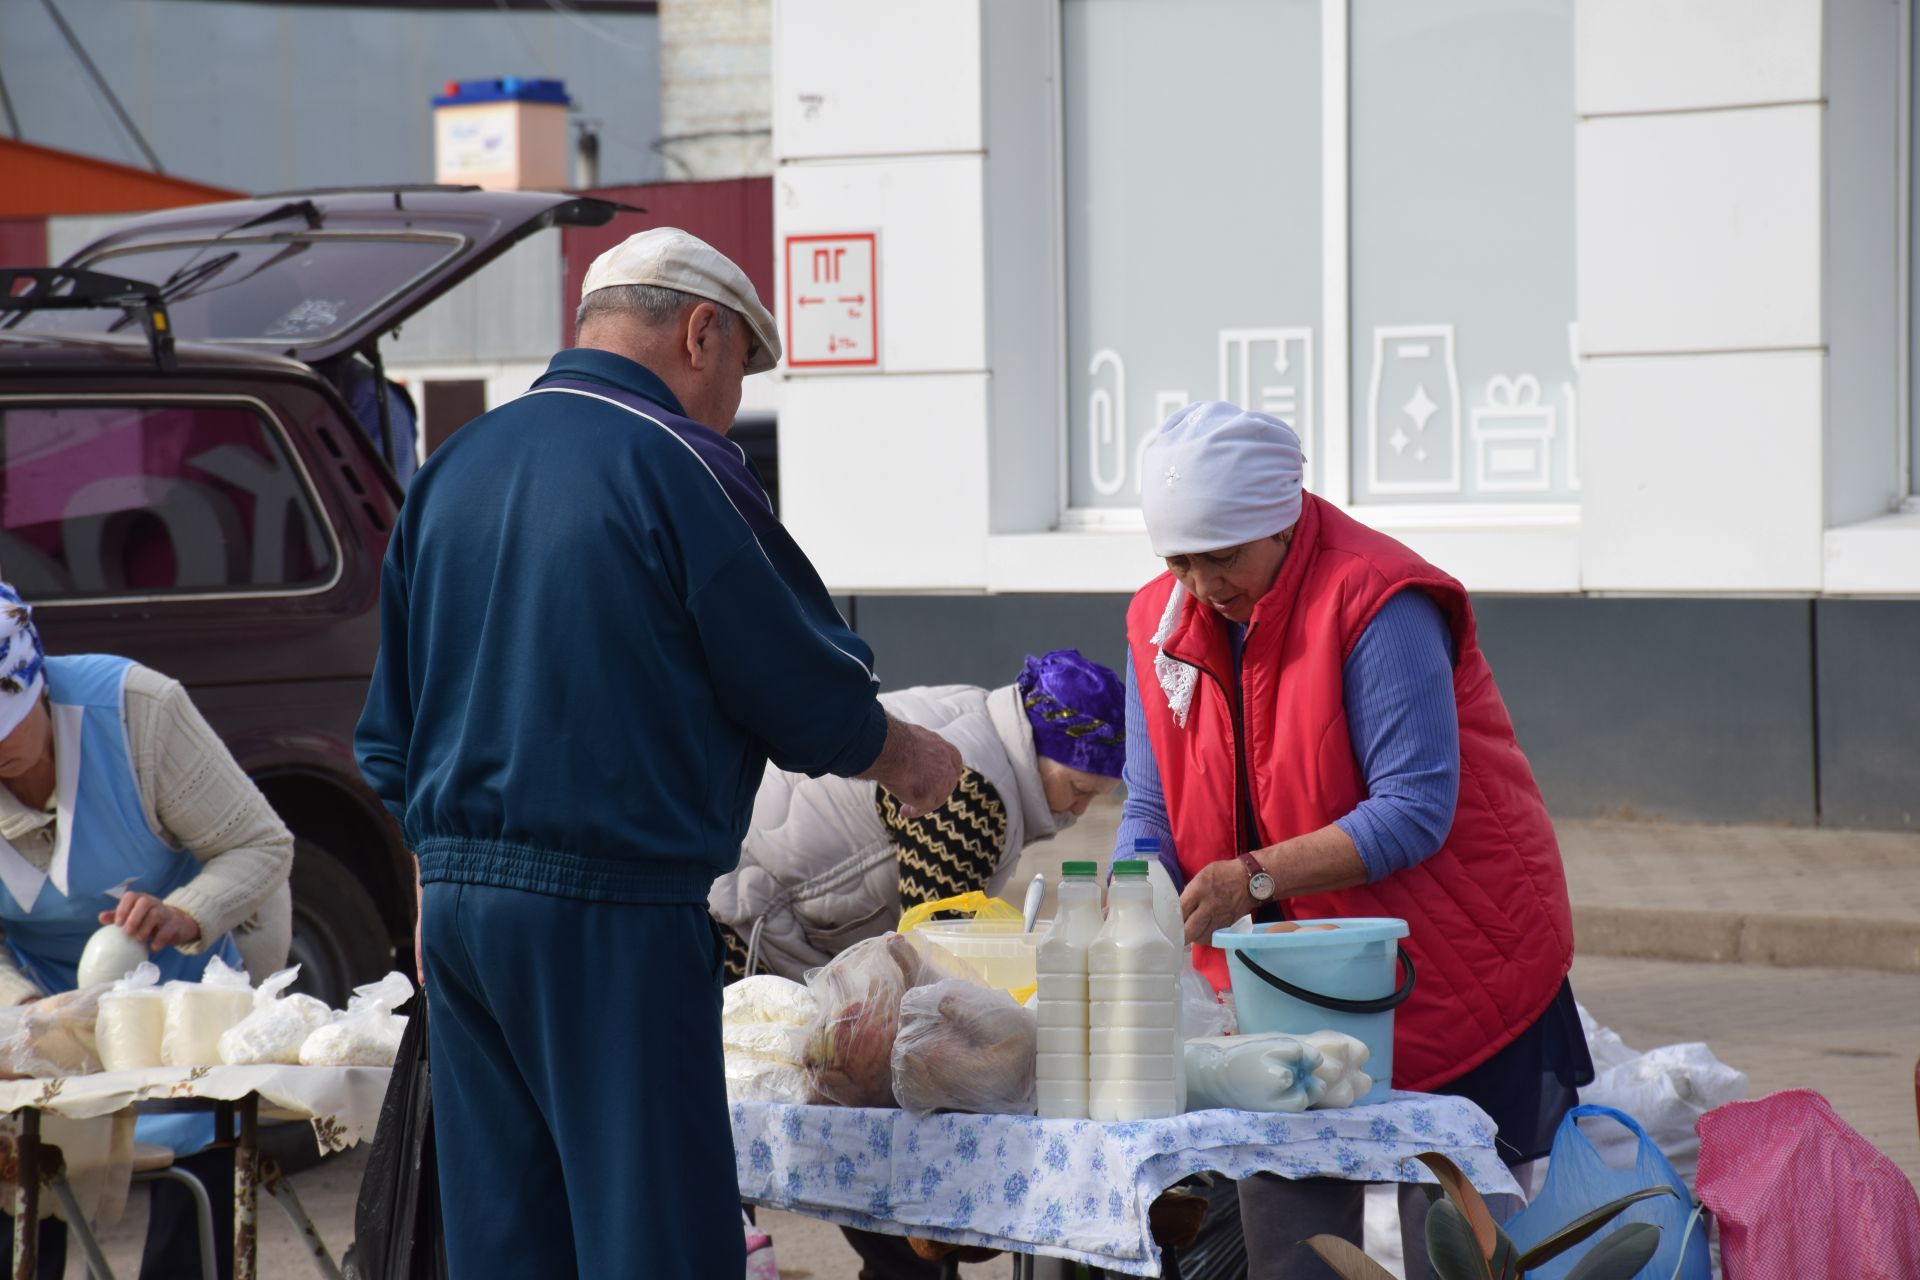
(765, 998)
(278, 1026)
(768, 1041)
(132, 1021)
(198, 1013)
(108, 956)
(368, 1033)
(754, 1081)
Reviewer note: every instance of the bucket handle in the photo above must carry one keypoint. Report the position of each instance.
(1335, 1003)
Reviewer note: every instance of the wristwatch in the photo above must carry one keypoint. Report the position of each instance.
(1259, 883)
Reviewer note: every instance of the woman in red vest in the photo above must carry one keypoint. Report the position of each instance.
(1313, 732)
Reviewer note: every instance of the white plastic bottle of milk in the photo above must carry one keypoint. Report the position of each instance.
(1166, 898)
(1133, 1009)
(1060, 1070)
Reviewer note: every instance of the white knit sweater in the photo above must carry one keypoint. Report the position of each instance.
(195, 797)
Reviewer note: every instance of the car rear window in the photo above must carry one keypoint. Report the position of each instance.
(127, 498)
(295, 289)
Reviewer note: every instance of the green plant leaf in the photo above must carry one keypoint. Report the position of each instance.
(1346, 1260)
(1621, 1255)
(1461, 1192)
(1504, 1264)
(1584, 1227)
(1452, 1248)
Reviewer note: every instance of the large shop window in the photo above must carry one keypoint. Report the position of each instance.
(1461, 191)
(1192, 154)
(118, 499)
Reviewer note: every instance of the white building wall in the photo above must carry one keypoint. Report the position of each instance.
(1716, 453)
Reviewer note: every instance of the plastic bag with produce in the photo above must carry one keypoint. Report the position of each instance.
(849, 1043)
(964, 1047)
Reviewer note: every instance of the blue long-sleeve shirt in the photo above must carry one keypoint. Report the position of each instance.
(594, 635)
(1405, 729)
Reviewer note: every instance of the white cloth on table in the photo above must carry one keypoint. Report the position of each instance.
(1072, 1188)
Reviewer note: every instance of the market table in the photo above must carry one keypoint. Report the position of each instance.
(1075, 1189)
(342, 1103)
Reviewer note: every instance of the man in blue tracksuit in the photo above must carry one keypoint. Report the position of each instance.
(594, 635)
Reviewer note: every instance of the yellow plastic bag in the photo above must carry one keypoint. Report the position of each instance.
(974, 905)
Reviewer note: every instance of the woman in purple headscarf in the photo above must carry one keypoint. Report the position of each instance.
(829, 861)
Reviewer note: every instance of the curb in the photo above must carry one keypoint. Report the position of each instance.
(1728, 937)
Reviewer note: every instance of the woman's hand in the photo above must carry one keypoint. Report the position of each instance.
(1214, 898)
(146, 919)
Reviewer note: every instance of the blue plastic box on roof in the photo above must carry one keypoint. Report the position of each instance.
(461, 93)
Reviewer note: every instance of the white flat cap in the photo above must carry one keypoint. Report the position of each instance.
(672, 259)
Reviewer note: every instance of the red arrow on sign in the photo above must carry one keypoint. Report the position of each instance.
(858, 300)
(809, 302)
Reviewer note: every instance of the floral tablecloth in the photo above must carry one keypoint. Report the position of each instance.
(1072, 1188)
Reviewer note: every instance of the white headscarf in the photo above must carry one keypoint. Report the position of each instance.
(1216, 475)
(22, 659)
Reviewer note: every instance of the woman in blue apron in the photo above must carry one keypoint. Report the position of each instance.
(85, 842)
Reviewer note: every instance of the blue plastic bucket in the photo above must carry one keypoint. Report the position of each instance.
(1338, 979)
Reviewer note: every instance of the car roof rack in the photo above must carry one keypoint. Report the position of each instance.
(24, 289)
(373, 189)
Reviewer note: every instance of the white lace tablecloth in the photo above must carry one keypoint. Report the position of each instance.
(343, 1103)
(1072, 1188)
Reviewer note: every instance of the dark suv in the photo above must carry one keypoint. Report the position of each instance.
(212, 509)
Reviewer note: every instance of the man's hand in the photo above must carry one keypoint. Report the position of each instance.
(146, 919)
(918, 766)
(1214, 898)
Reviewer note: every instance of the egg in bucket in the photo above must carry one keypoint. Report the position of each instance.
(1323, 975)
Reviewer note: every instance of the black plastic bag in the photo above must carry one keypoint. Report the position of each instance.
(396, 1223)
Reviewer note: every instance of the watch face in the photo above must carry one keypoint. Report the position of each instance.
(1261, 886)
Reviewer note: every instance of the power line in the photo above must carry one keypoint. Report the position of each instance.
(80, 52)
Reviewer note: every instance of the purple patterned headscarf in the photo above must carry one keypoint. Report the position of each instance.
(1077, 709)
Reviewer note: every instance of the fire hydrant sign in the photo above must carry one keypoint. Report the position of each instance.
(833, 317)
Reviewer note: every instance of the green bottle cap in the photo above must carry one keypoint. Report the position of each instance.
(1080, 869)
(1131, 867)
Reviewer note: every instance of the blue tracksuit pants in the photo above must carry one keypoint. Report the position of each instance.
(579, 1098)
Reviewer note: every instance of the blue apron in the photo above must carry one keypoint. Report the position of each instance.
(103, 843)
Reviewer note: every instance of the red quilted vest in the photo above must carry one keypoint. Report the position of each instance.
(1491, 932)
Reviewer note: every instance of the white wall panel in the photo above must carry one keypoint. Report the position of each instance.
(932, 268)
(875, 77)
(1700, 232)
(884, 480)
(1702, 473)
(1666, 55)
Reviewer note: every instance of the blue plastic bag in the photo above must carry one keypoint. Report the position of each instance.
(1580, 1181)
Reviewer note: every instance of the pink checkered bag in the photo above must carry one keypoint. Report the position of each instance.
(1798, 1193)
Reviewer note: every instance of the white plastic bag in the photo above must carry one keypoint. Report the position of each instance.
(53, 1036)
(132, 1021)
(964, 1047)
(1342, 1082)
(1264, 1072)
(766, 998)
(751, 1080)
(368, 1033)
(278, 1026)
(849, 1041)
(199, 1012)
(763, 1041)
(1665, 1089)
(1201, 1012)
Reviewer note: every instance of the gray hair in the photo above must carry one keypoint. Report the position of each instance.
(656, 304)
